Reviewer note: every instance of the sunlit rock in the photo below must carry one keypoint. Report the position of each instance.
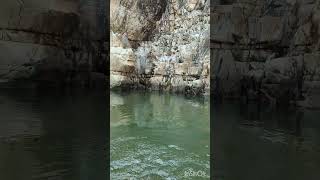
(170, 45)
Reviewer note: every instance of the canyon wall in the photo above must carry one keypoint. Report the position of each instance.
(267, 50)
(160, 45)
(58, 41)
(263, 49)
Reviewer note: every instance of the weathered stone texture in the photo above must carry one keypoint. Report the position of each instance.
(170, 45)
(266, 49)
(49, 40)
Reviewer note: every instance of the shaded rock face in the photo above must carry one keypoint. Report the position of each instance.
(164, 47)
(50, 41)
(137, 18)
(265, 50)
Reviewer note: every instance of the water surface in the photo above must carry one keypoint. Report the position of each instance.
(52, 134)
(159, 136)
(262, 143)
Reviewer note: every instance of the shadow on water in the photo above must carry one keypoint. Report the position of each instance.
(52, 133)
(259, 142)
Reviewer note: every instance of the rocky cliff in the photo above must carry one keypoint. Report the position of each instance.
(160, 45)
(59, 41)
(266, 49)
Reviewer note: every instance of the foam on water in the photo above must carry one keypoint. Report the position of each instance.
(157, 136)
(141, 159)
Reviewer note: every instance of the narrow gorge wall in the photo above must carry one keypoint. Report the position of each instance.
(261, 49)
(266, 49)
(57, 41)
(160, 45)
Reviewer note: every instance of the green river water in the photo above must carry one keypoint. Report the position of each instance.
(159, 136)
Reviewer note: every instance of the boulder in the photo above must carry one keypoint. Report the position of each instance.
(284, 65)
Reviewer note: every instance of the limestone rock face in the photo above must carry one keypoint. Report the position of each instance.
(46, 40)
(170, 45)
(136, 18)
(265, 49)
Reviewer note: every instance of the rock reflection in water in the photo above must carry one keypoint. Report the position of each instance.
(159, 136)
(52, 134)
(257, 142)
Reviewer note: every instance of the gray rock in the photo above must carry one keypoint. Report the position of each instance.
(178, 52)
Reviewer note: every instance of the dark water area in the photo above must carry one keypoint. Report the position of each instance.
(252, 142)
(50, 133)
(159, 136)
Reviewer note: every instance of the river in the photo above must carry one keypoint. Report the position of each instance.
(159, 136)
(259, 142)
(61, 134)
(48, 133)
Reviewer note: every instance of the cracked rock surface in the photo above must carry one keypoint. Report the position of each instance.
(266, 50)
(164, 46)
(52, 41)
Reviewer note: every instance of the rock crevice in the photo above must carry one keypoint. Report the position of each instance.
(263, 50)
(167, 51)
(59, 41)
